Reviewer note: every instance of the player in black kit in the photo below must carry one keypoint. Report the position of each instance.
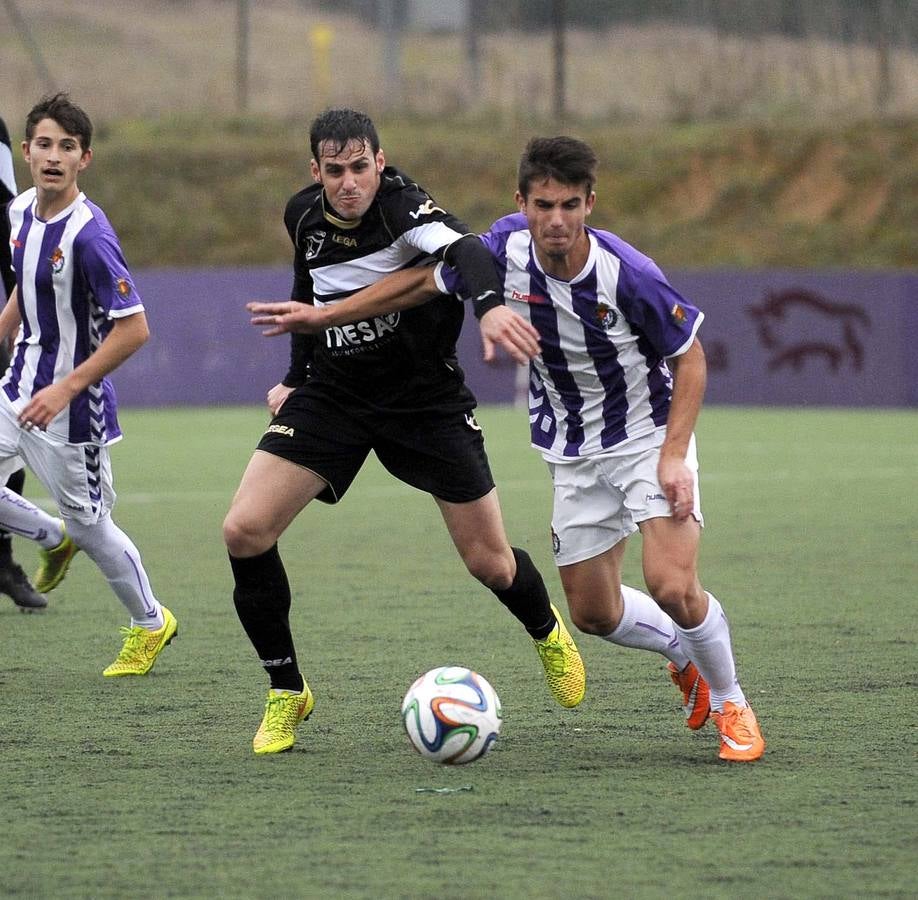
(391, 385)
(13, 581)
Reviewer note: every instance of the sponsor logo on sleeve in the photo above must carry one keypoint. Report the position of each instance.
(427, 208)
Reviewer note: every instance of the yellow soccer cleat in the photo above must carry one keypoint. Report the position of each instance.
(141, 647)
(563, 666)
(53, 565)
(696, 695)
(284, 710)
(740, 737)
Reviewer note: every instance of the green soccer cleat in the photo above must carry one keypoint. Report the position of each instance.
(563, 666)
(284, 710)
(142, 647)
(53, 565)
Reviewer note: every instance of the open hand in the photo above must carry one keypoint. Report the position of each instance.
(502, 326)
(286, 316)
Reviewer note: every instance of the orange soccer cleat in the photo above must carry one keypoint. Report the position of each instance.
(740, 737)
(696, 696)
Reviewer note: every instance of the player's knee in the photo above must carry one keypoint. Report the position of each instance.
(674, 593)
(242, 538)
(590, 619)
(494, 570)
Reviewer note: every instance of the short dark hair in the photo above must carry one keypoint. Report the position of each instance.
(59, 107)
(340, 126)
(565, 159)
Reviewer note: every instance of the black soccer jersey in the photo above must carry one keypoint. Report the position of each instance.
(404, 360)
(7, 192)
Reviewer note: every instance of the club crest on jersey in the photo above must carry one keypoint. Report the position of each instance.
(123, 287)
(427, 208)
(314, 244)
(677, 314)
(606, 316)
(57, 260)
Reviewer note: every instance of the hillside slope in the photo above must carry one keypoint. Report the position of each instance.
(185, 192)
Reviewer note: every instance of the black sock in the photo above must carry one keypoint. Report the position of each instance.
(527, 597)
(262, 600)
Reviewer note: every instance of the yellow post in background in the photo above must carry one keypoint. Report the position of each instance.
(321, 37)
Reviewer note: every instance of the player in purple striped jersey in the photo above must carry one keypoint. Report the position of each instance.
(615, 393)
(77, 316)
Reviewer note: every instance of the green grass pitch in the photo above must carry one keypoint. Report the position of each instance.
(148, 787)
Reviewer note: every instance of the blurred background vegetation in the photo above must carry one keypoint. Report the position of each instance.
(731, 133)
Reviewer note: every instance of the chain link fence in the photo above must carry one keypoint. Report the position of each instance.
(518, 60)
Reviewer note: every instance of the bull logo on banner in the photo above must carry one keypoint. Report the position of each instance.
(796, 325)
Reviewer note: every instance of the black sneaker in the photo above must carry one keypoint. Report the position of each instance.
(13, 583)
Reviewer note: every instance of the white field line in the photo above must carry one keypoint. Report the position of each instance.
(395, 489)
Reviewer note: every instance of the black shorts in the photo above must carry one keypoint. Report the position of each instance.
(440, 452)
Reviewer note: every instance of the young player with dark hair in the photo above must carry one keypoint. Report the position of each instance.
(78, 317)
(614, 396)
(387, 384)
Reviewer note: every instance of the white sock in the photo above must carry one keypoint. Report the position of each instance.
(708, 645)
(21, 517)
(119, 561)
(645, 626)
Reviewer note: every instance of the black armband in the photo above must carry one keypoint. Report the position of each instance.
(473, 261)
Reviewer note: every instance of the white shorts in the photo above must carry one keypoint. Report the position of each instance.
(77, 476)
(600, 500)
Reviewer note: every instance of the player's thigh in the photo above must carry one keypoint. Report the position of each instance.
(10, 437)
(593, 590)
(442, 454)
(589, 515)
(636, 473)
(77, 476)
(319, 429)
(271, 494)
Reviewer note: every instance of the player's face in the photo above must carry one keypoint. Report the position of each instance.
(556, 214)
(350, 178)
(55, 159)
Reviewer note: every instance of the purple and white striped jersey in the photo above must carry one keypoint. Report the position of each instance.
(72, 282)
(601, 378)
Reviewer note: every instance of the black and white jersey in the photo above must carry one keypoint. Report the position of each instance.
(405, 359)
(7, 192)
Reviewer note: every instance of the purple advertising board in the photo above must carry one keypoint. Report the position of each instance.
(789, 338)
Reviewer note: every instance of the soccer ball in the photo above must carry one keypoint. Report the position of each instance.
(451, 715)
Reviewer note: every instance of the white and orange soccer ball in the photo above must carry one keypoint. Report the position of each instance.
(451, 715)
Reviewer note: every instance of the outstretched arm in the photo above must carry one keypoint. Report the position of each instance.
(398, 291)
